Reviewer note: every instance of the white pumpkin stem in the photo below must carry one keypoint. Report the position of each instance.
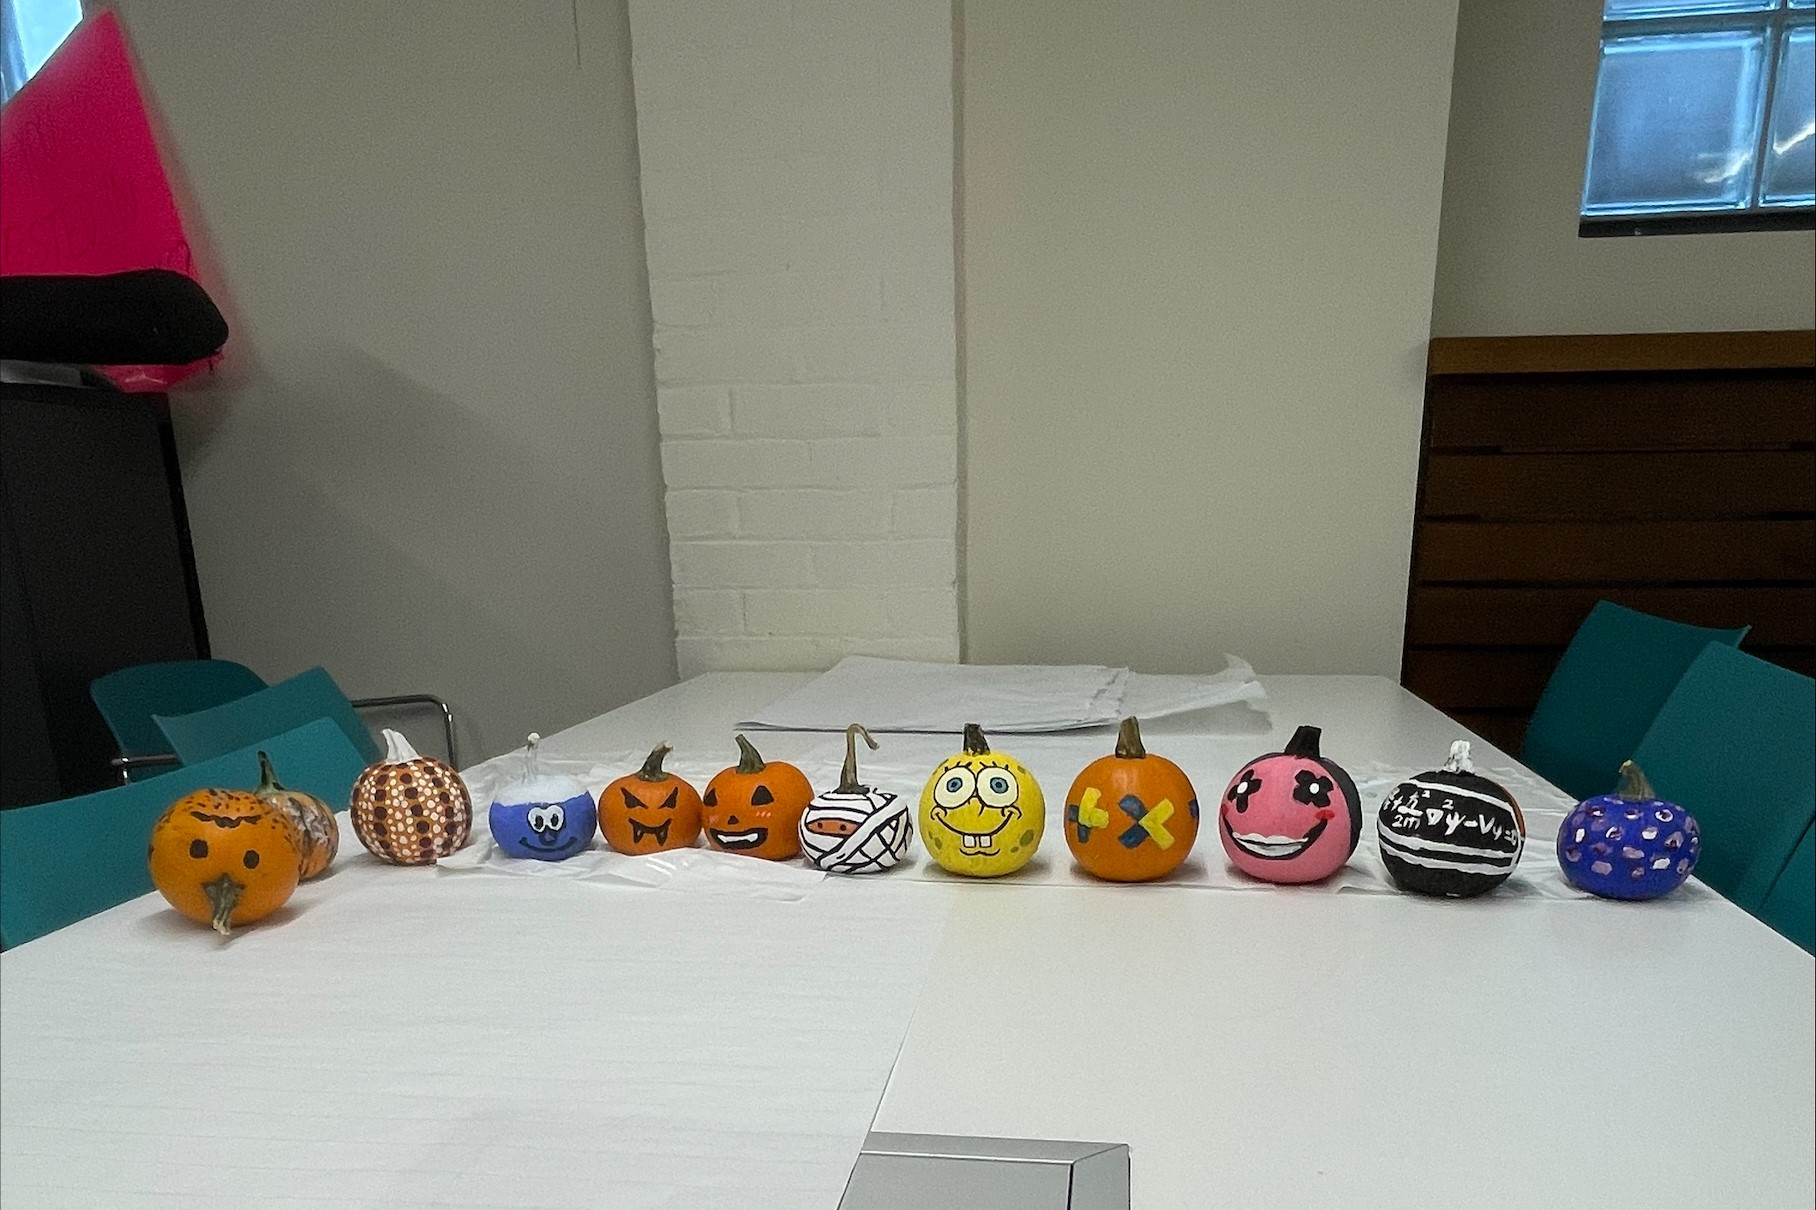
(1459, 761)
(532, 767)
(397, 749)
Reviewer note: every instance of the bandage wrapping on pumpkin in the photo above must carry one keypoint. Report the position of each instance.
(541, 816)
(855, 829)
(410, 809)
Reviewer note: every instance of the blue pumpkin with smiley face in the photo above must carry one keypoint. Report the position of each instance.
(542, 816)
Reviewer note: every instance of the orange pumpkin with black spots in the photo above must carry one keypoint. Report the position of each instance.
(650, 810)
(225, 857)
(409, 809)
(1133, 816)
(755, 807)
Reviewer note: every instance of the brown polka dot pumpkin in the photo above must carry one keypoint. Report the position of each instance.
(410, 809)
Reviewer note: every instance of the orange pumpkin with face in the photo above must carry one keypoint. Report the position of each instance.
(754, 807)
(650, 810)
(1131, 817)
(225, 857)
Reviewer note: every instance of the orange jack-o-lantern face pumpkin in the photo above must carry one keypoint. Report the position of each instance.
(650, 810)
(410, 809)
(754, 807)
(1131, 817)
(225, 857)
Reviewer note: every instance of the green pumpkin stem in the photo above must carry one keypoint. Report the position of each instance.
(1634, 786)
(652, 767)
(1304, 743)
(749, 759)
(975, 743)
(848, 773)
(1128, 740)
(268, 782)
(223, 895)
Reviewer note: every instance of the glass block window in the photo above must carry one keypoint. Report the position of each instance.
(1705, 117)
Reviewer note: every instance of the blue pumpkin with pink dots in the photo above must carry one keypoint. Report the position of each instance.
(1630, 844)
(542, 816)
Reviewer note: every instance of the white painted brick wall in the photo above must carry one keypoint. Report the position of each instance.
(797, 195)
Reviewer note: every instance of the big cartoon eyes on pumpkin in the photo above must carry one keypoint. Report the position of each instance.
(996, 787)
(1242, 790)
(546, 819)
(1312, 790)
(954, 788)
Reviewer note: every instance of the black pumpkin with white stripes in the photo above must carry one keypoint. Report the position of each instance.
(1450, 832)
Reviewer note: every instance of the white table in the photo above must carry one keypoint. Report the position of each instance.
(1295, 1048)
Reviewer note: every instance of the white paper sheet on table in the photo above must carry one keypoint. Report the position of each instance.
(407, 1039)
(903, 695)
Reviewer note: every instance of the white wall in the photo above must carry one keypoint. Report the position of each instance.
(1198, 246)
(1509, 259)
(431, 460)
(797, 179)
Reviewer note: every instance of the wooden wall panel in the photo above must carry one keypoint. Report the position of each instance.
(1672, 474)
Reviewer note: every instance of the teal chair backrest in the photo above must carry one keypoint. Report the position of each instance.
(246, 720)
(129, 698)
(63, 861)
(1790, 905)
(1735, 743)
(1605, 691)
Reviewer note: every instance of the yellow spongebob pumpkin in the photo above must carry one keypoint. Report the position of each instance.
(982, 813)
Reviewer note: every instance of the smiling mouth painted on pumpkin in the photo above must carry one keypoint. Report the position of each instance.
(734, 841)
(561, 846)
(1273, 848)
(975, 844)
(641, 832)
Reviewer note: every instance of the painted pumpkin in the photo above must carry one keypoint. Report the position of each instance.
(542, 816)
(314, 819)
(225, 857)
(410, 809)
(755, 807)
(855, 829)
(650, 810)
(1133, 816)
(982, 813)
(1630, 844)
(1450, 832)
(1291, 816)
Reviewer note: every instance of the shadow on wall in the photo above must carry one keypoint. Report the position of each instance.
(347, 515)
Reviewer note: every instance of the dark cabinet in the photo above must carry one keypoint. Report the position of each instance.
(96, 574)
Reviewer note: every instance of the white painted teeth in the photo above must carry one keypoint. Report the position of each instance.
(1269, 846)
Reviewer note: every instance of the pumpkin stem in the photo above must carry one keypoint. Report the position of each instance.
(1128, 740)
(975, 743)
(268, 782)
(749, 759)
(223, 894)
(1304, 743)
(1459, 761)
(1634, 786)
(532, 767)
(652, 766)
(848, 773)
(397, 749)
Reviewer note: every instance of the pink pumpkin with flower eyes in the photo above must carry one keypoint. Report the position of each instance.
(1291, 816)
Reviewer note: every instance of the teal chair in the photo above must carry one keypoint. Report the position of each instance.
(1605, 691)
(1736, 744)
(128, 699)
(42, 890)
(206, 734)
(1790, 905)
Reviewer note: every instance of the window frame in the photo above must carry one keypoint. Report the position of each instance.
(1754, 216)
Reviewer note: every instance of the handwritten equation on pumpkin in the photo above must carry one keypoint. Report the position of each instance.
(1421, 811)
